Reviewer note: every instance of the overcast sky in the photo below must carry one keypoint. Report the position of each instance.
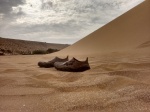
(58, 21)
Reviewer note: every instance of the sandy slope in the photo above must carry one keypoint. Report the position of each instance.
(124, 33)
(117, 82)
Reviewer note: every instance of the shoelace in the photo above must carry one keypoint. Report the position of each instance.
(69, 62)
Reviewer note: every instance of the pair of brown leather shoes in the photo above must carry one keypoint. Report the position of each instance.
(72, 65)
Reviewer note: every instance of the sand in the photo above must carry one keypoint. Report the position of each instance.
(118, 81)
(122, 34)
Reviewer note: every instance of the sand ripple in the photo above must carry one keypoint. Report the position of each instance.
(119, 85)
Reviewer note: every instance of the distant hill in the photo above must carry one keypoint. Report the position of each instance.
(14, 46)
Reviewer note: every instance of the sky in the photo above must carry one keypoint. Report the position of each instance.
(58, 21)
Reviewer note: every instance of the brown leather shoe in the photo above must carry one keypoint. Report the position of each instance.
(73, 65)
(50, 64)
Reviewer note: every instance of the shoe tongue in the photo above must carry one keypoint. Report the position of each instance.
(73, 59)
(56, 57)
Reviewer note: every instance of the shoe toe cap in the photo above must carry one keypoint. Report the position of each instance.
(41, 64)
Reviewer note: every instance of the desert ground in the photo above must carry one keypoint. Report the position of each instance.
(116, 82)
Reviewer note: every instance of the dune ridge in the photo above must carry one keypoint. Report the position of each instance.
(125, 33)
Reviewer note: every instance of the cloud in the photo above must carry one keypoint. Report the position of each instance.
(6, 5)
(54, 20)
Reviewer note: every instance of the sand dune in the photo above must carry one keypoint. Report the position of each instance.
(122, 34)
(118, 81)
